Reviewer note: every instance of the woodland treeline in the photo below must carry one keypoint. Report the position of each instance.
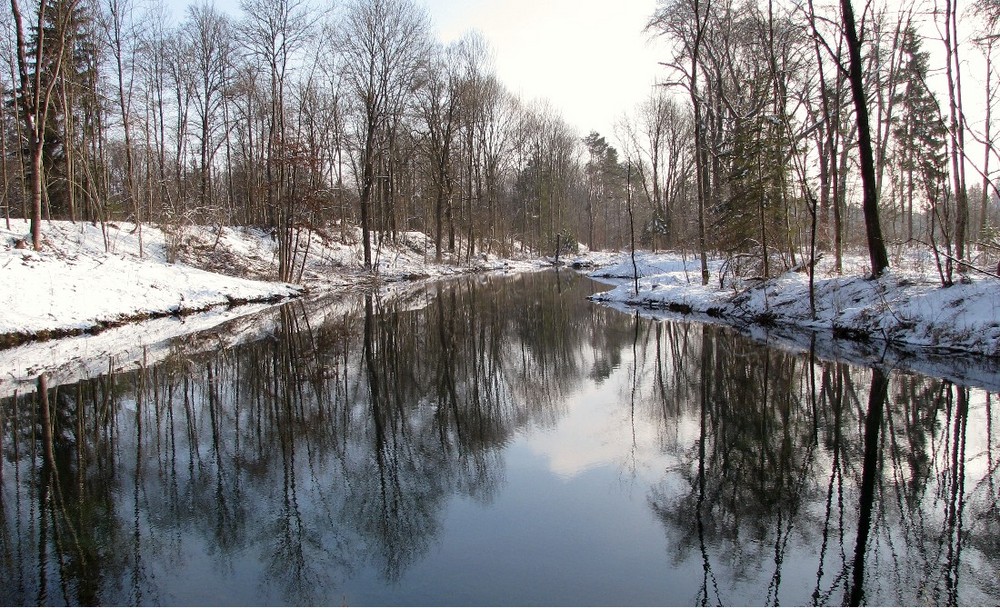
(302, 116)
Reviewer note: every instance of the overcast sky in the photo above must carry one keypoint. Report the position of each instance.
(589, 58)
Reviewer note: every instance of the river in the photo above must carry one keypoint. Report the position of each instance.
(496, 440)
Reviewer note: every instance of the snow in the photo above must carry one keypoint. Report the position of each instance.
(125, 306)
(906, 307)
(75, 285)
(126, 347)
(669, 266)
(90, 279)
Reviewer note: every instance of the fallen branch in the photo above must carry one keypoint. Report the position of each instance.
(960, 262)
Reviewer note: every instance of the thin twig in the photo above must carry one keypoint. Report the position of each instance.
(960, 262)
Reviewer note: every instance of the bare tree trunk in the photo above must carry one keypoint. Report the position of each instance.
(68, 147)
(835, 168)
(876, 244)
(367, 188)
(30, 98)
(701, 149)
(117, 8)
(631, 229)
(840, 196)
(19, 136)
(987, 140)
(954, 73)
(3, 159)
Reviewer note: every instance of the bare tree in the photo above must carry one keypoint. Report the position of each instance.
(336, 107)
(548, 174)
(957, 126)
(121, 37)
(497, 109)
(987, 46)
(151, 76)
(182, 82)
(687, 22)
(657, 155)
(475, 58)
(382, 44)
(272, 33)
(439, 103)
(12, 185)
(208, 35)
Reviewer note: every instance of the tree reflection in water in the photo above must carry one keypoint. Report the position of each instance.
(285, 467)
(880, 498)
(333, 442)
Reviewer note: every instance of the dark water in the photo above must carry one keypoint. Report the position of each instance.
(498, 441)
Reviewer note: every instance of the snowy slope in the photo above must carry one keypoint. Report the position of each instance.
(907, 306)
(75, 285)
(88, 277)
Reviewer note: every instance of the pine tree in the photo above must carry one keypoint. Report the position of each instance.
(750, 217)
(70, 68)
(919, 131)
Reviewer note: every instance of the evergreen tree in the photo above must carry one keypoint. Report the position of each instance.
(70, 68)
(605, 176)
(919, 130)
(750, 218)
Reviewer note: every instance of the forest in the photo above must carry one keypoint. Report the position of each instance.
(780, 131)
(495, 438)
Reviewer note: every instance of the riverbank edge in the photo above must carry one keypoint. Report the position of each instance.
(14, 339)
(89, 278)
(349, 282)
(741, 310)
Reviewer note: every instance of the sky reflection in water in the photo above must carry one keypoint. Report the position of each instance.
(506, 443)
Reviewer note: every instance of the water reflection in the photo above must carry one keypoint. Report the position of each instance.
(323, 464)
(795, 465)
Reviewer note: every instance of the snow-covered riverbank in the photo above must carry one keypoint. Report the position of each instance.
(89, 278)
(906, 307)
(76, 284)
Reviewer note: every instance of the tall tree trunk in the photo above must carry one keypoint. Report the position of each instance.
(3, 159)
(954, 73)
(367, 187)
(873, 230)
(700, 145)
(30, 98)
(68, 147)
(124, 107)
(987, 142)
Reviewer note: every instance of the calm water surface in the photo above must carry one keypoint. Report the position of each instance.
(498, 440)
